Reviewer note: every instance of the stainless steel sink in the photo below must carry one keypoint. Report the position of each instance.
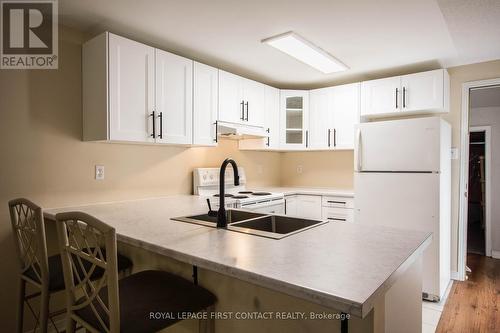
(233, 215)
(275, 226)
(271, 226)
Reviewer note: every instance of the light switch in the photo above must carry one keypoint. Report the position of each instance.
(99, 172)
(454, 153)
(299, 169)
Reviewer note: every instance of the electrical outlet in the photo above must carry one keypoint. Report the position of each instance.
(99, 172)
(299, 169)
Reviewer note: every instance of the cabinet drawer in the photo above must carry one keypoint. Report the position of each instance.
(338, 214)
(341, 202)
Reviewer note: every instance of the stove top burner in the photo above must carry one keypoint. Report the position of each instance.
(225, 195)
(245, 192)
(261, 193)
(240, 196)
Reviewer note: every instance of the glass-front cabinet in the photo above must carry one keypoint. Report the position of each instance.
(294, 108)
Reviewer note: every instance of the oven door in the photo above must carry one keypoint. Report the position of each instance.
(276, 206)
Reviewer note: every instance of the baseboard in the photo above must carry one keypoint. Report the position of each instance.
(495, 254)
(455, 276)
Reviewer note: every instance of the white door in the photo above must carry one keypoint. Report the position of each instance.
(345, 115)
(131, 90)
(272, 115)
(205, 104)
(174, 98)
(231, 103)
(294, 111)
(399, 145)
(405, 201)
(320, 118)
(423, 91)
(381, 96)
(254, 96)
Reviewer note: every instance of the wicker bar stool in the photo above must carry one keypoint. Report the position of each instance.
(44, 273)
(112, 305)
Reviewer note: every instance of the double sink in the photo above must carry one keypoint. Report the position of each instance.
(265, 225)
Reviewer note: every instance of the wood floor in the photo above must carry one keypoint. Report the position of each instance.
(472, 306)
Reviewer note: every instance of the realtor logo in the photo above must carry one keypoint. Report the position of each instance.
(29, 34)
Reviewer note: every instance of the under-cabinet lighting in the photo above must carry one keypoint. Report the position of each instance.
(305, 51)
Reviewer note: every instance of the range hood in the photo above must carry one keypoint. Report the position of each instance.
(239, 132)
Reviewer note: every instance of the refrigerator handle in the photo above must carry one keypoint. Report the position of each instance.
(357, 151)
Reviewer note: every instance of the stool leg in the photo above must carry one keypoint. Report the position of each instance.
(20, 306)
(207, 325)
(44, 309)
(70, 324)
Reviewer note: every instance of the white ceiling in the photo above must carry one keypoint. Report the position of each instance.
(374, 38)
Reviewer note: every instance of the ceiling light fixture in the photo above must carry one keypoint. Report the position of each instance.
(305, 51)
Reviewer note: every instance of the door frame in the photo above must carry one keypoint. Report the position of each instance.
(487, 190)
(464, 171)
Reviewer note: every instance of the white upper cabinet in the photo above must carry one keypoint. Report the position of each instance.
(294, 114)
(345, 108)
(240, 100)
(272, 117)
(174, 98)
(333, 114)
(205, 104)
(320, 118)
(131, 87)
(381, 96)
(426, 92)
(231, 102)
(254, 97)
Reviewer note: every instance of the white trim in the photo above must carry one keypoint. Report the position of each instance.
(454, 275)
(495, 254)
(464, 172)
(487, 171)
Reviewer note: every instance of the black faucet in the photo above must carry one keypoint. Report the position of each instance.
(221, 215)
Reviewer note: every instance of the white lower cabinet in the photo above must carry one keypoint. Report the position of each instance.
(338, 214)
(305, 206)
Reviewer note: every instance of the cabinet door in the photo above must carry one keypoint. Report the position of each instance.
(131, 90)
(254, 96)
(231, 104)
(205, 104)
(291, 205)
(338, 214)
(272, 115)
(423, 91)
(309, 206)
(380, 97)
(174, 98)
(345, 115)
(320, 118)
(294, 108)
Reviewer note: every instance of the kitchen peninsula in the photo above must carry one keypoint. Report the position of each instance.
(371, 273)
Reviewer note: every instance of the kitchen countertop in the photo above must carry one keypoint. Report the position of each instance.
(344, 266)
(310, 191)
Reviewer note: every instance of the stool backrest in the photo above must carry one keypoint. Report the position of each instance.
(29, 237)
(82, 239)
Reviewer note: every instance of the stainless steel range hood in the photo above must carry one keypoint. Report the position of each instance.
(239, 132)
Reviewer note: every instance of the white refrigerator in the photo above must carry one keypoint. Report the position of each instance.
(402, 179)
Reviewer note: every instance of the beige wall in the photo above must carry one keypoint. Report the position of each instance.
(43, 157)
(327, 169)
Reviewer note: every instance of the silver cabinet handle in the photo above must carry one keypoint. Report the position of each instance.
(337, 202)
(307, 138)
(161, 125)
(335, 219)
(246, 104)
(329, 135)
(335, 137)
(216, 131)
(404, 97)
(242, 110)
(397, 93)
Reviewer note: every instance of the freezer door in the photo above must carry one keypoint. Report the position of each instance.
(399, 145)
(407, 201)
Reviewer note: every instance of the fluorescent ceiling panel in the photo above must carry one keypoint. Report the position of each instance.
(305, 51)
